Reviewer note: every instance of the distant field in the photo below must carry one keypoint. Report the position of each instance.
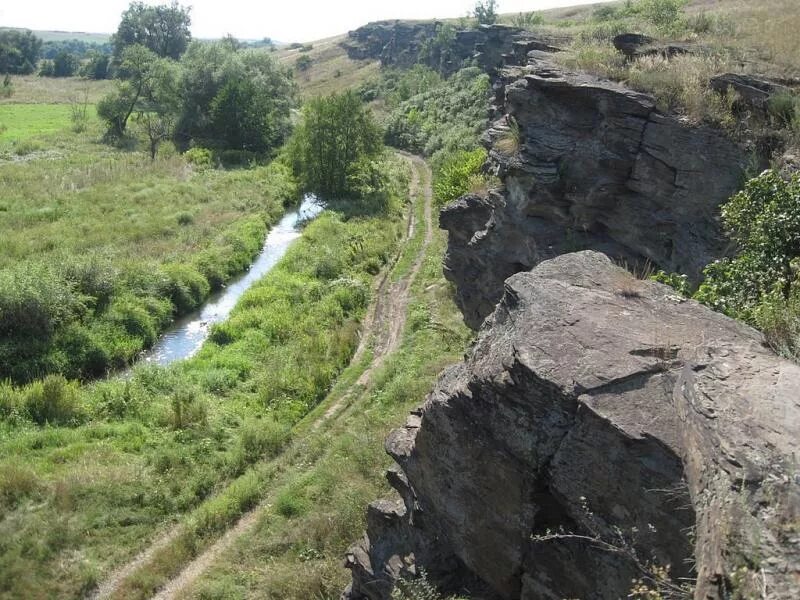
(31, 89)
(22, 121)
(57, 36)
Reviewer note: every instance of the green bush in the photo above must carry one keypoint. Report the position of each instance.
(761, 284)
(457, 175)
(53, 401)
(662, 13)
(187, 408)
(199, 157)
(187, 288)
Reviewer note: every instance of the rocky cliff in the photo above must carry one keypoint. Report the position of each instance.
(588, 164)
(602, 430)
(406, 43)
(603, 434)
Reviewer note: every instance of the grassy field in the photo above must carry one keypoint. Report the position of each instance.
(186, 440)
(20, 122)
(31, 89)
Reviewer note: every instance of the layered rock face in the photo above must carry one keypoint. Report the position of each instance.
(600, 425)
(400, 44)
(597, 167)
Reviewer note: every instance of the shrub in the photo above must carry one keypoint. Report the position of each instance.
(94, 278)
(527, 20)
(783, 110)
(16, 484)
(7, 89)
(290, 503)
(187, 408)
(444, 118)
(12, 400)
(199, 157)
(35, 301)
(662, 13)
(187, 288)
(303, 63)
(457, 175)
(263, 439)
(53, 401)
(761, 284)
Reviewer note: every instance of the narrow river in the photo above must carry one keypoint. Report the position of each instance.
(188, 333)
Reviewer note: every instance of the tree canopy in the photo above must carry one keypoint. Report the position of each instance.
(335, 139)
(163, 29)
(19, 51)
(234, 99)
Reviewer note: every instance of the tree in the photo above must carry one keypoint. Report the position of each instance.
(164, 29)
(63, 64)
(144, 73)
(336, 136)
(234, 99)
(97, 66)
(486, 11)
(19, 51)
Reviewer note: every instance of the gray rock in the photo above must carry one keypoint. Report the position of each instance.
(636, 45)
(598, 167)
(399, 43)
(752, 92)
(623, 418)
(630, 43)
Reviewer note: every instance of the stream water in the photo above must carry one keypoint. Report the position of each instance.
(188, 333)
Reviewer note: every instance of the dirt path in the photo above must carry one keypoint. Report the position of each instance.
(382, 330)
(112, 584)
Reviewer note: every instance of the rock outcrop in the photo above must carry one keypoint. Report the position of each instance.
(600, 427)
(591, 165)
(403, 43)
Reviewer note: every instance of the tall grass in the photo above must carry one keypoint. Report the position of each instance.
(103, 248)
(186, 441)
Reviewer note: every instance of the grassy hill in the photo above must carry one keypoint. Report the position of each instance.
(329, 70)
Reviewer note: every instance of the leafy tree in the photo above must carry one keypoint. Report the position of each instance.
(143, 72)
(164, 29)
(97, 66)
(486, 11)
(233, 99)
(336, 136)
(19, 51)
(63, 64)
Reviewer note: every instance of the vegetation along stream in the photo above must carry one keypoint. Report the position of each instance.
(187, 335)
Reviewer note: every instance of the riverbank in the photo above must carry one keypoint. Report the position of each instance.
(143, 453)
(101, 248)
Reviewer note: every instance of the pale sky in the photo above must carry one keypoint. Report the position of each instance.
(283, 20)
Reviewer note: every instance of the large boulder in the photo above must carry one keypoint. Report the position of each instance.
(597, 167)
(601, 428)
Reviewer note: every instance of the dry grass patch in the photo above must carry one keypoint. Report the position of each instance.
(330, 69)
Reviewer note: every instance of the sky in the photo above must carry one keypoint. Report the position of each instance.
(282, 20)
